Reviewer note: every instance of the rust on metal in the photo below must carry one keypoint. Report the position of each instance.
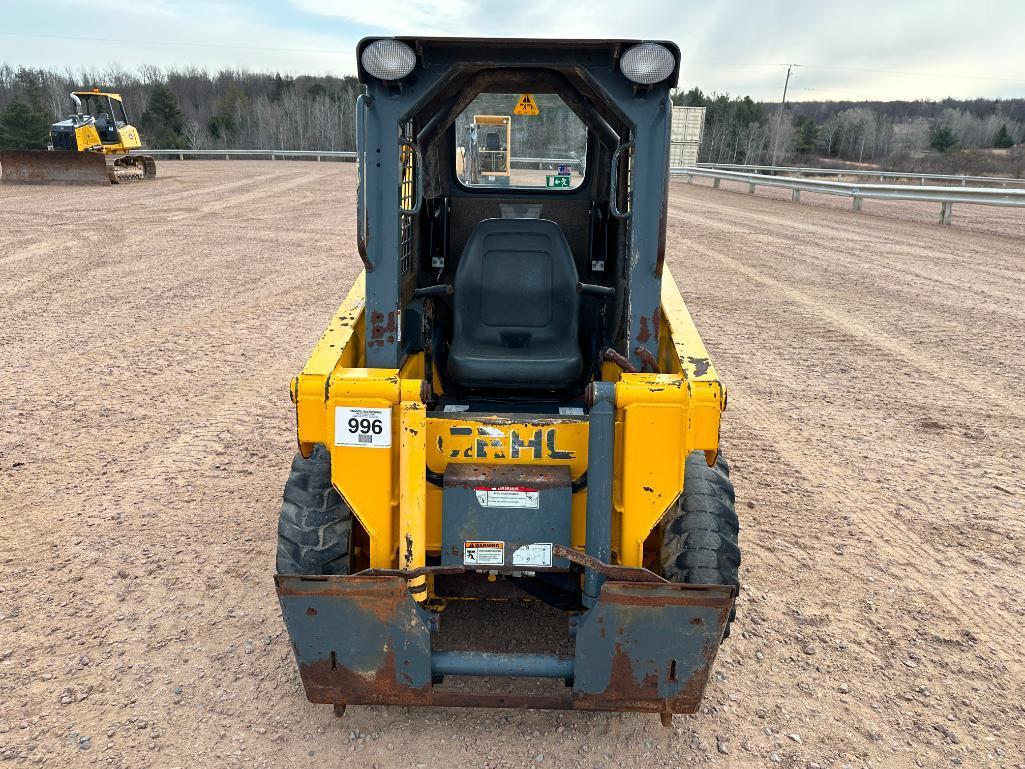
(618, 573)
(407, 574)
(330, 683)
(382, 328)
(471, 476)
(645, 333)
(620, 360)
(710, 596)
(56, 167)
(650, 364)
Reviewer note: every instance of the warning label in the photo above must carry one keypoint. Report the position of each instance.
(534, 554)
(483, 553)
(526, 106)
(508, 496)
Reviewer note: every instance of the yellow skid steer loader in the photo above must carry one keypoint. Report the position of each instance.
(512, 400)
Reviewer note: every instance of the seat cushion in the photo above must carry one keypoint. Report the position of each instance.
(497, 366)
(515, 308)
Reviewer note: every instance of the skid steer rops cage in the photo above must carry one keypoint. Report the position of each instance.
(513, 394)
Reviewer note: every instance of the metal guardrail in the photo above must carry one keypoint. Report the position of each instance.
(946, 196)
(961, 179)
(259, 154)
(343, 155)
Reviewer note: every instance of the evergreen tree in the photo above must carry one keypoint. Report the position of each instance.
(23, 127)
(1003, 139)
(227, 120)
(693, 98)
(806, 133)
(280, 86)
(163, 123)
(942, 139)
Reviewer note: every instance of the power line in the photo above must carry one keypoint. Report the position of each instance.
(351, 52)
(185, 43)
(855, 69)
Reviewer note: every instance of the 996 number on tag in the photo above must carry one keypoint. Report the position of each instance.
(363, 428)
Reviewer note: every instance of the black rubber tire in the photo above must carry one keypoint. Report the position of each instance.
(315, 527)
(700, 543)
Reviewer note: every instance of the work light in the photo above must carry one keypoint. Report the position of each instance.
(647, 63)
(388, 59)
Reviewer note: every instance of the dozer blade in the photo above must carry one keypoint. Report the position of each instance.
(44, 167)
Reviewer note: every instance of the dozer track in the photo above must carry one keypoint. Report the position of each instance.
(130, 168)
(79, 168)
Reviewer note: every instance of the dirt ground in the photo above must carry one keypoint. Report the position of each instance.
(875, 428)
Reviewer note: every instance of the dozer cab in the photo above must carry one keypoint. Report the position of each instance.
(512, 401)
(90, 146)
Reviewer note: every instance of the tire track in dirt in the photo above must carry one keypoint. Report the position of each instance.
(897, 546)
(908, 230)
(868, 265)
(167, 222)
(988, 389)
(912, 240)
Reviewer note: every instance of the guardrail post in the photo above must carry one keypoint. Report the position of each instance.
(796, 196)
(715, 182)
(227, 157)
(273, 156)
(181, 156)
(750, 188)
(857, 203)
(946, 213)
(690, 178)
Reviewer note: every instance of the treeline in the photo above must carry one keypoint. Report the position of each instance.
(237, 109)
(958, 136)
(231, 109)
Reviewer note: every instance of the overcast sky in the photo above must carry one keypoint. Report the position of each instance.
(864, 49)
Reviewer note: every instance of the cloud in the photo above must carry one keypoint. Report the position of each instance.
(419, 17)
(725, 44)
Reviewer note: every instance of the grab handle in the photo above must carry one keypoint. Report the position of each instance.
(418, 173)
(361, 187)
(614, 183)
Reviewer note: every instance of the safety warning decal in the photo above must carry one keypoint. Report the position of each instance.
(483, 553)
(526, 106)
(534, 554)
(508, 496)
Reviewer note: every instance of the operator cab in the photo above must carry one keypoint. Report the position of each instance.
(107, 114)
(515, 231)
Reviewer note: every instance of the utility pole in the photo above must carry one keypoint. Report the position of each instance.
(779, 117)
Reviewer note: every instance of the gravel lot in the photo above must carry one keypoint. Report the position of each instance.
(876, 430)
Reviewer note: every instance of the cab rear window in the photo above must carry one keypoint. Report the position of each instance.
(520, 140)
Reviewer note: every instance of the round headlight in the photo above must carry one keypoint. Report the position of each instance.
(388, 59)
(647, 63)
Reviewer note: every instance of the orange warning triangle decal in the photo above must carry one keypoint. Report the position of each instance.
(526, 106)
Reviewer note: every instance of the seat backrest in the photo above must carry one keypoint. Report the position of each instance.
(492, 141)
(515, 286)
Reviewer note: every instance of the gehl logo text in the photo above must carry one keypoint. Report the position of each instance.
(494, 443)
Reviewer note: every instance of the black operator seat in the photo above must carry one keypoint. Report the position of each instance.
(515, 308)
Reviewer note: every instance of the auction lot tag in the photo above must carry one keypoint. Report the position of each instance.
(534, 554)
(508, 496)
(364, 428)
(483, 553)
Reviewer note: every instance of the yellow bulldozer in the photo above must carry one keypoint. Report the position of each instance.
(511, 404)
(90, 146)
